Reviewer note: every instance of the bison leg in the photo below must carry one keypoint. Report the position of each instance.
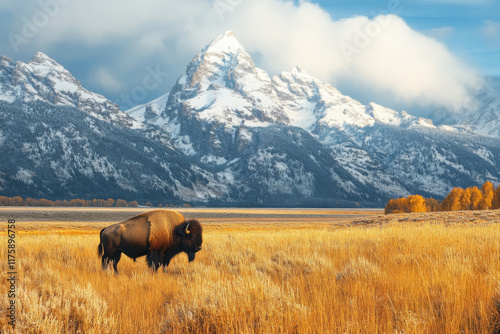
(154, 260)
(115, 259)
(105, 262)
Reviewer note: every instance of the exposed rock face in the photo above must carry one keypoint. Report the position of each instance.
(43, 79)
(227, 134)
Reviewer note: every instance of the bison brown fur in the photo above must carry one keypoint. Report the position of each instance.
(158, 234)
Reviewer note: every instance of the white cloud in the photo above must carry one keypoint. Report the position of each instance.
(382, 54)
(413, 67)
(104, 78)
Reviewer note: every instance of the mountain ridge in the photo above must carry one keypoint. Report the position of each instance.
(43, 79)
(228, 134)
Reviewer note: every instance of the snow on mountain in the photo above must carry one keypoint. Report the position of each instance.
(149, 112)
(222, 94)
(315, 105)
(219, 110)
(481, 117)
(61, 152)
(487, 120)
(394, 152)
(43, 79)
(481, 114)
(228, 134)
(225, 114)
(222, 83)
(310, 103)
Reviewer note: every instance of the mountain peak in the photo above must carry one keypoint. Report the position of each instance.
(40, 56)
(43, 79)
(225, 43)
(4, 59)
(42, 65)
(297, 69)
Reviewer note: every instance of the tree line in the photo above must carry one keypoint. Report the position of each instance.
(471, 198)
(96, 202)
(19, 201)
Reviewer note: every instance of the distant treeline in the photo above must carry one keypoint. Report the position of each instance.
(19, 201)
(458, 199)
(106, 203)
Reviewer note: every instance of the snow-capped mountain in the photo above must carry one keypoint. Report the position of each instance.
(43, 79)
(482, 116)
(394, 152)
(317, 106)
(225, 114)
(226, 134)
(146, 113)
(61, 152)
(63, 141)
(223, 105)
(222, 95)
(481, 113)
(486, 121)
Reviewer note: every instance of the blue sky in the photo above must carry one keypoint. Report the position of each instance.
(427, 55)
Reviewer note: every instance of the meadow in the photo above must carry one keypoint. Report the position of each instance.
(411, 273)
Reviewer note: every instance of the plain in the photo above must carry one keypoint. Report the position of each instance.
(413, 273)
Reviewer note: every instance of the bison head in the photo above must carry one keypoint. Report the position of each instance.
(190, 237)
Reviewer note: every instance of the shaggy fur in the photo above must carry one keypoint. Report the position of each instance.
(195, 236)
(162, 225)
(158, 234)
(154, 259)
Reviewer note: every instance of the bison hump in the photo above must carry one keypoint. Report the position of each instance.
(162, 223)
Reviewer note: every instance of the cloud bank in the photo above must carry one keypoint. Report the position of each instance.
(382, 54)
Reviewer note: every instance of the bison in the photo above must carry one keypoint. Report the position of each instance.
(158, 234)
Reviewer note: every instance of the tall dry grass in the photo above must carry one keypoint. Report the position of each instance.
(397, 279)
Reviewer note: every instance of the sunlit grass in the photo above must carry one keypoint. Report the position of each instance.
(402, 278)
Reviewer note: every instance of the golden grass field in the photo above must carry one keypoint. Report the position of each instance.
(413, 273)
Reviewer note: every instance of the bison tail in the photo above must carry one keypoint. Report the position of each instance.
(100, 249)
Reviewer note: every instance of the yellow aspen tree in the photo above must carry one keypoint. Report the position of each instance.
(445, 204)
(488, 192)
(454, 199)
(417, 203)
(121, 203)
(475, 198)
(399, 205)
(432, 204)
(403, 206)
(389, 207)
(495, 203)
(465, 203)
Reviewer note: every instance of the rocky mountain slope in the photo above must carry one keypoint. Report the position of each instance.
(226, 134)
(61, 152)
(43, 79)
(482, 116)
(215, 116)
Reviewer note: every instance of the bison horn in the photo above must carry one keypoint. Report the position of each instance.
(186, 230)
